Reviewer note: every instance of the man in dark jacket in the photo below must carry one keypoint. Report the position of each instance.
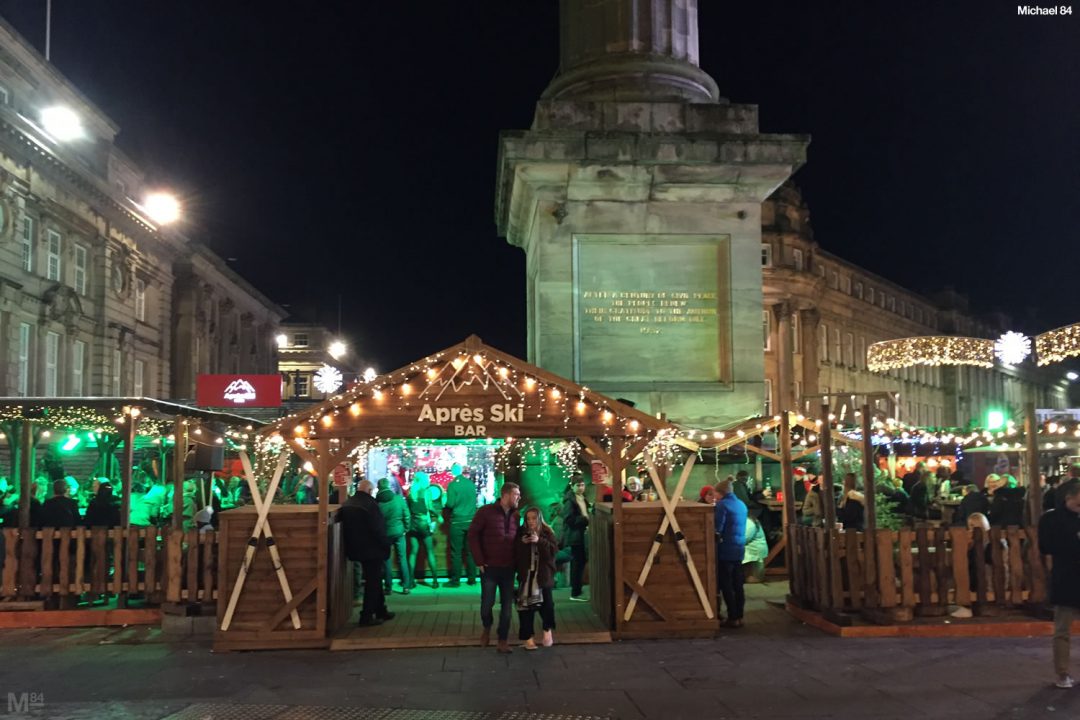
(491, 541)
(1007, 505)
(1059, 537)
(575, 517)
(60, 511)
(364, 532)
(974, 501)
(743, 492)
(460, 509)
(395, 512)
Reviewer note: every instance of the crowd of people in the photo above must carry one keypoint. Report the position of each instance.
(515, 555)
(68, 502)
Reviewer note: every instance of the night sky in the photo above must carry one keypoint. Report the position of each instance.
(350, 148)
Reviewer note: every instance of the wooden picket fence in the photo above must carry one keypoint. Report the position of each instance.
(58, 565)
(922, 570)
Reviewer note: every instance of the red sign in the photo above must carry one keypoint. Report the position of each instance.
(238, 391)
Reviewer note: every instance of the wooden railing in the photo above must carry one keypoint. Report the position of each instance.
(58, 565)
(920, 571)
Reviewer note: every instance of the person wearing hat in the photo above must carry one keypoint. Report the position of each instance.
(395, 512)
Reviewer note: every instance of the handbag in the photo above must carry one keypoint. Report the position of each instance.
(529, 595)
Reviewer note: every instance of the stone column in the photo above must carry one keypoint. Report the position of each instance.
(809, 320)
(630, 51)
(784, 356)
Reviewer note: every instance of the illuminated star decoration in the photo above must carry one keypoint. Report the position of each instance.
(1012, 348)
(328, 379)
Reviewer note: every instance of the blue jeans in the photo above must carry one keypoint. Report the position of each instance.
(503, 579)
(397, 544)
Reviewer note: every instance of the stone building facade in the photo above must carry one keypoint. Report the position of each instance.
(95, 299)
(821, 313)
(303, 350)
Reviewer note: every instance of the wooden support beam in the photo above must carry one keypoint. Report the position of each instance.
(828, 496)
(26, 471)
(1031, 455)
(763, 453)
(787, 482)
(180, 441)
(131, 423)
(869, 491)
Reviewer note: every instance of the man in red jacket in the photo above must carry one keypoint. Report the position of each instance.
(491, 542)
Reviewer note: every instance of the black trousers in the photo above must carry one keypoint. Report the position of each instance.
(577, 568)
(459, 546)
(374, 599)
(547, 616)
(730, 579)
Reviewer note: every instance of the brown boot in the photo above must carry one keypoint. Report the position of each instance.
(504, 647)
(485, 637)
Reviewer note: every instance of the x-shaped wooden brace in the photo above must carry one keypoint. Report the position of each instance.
(669, 520)
(262, 527)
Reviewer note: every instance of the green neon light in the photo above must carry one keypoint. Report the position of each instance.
(70, 444)
(995, 419)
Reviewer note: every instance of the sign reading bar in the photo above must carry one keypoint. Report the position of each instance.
(238, 391)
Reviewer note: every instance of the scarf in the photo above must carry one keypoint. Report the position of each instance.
(529, 595)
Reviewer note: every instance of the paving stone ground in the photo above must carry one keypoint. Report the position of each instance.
(774, 668)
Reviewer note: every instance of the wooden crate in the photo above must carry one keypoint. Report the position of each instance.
(308, 551)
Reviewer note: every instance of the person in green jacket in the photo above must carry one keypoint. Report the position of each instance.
(460, 509)
(396, 512)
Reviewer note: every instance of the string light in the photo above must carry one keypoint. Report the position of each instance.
(931, 350)
(1057, 345)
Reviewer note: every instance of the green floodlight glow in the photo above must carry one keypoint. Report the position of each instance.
(71, 443)
(995, 419)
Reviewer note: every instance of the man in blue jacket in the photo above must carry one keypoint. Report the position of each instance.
(730, 514)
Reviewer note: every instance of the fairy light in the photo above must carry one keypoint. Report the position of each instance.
(932, 350)
(1057, 345)
(354, 409)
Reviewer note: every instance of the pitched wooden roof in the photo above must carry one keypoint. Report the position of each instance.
(468, 390)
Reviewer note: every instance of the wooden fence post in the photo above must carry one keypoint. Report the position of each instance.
(828, 498)
(787, 481)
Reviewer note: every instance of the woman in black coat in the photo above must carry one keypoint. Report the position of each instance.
(103, 510)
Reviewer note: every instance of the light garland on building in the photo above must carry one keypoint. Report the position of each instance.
(929, 350)
(1057, 345)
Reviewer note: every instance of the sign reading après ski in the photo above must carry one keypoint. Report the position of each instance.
(238, 391)
(472, 421)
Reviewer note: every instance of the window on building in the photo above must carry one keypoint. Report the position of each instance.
(117, 390)
(80, 269)
(820, 270)
(26, 239)
(52, 361)
(834, 280)
(5, 96)
(870, 295)
(300, 339)
(849, 350)
(881, 300)
(23, 384)
(768, 397)
(838, 347)
(860, 358)
(53, 243)
(845, 284)
(766, 255)
(859, 290)
(140, 299)
(891, 304)
(918, 315)
(301, 388)
(797, 259)
(766, 325)
(139, 374)
(78, 361)
(823, 342)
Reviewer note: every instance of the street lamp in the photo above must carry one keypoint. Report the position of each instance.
(282, 340)
(337, 349)
(162, 207)
(62, 123)
(1070, 376)
(370, 374)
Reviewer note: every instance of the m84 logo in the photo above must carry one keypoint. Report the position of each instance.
(23, 702)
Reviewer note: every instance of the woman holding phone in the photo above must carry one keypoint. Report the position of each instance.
(534, 557)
